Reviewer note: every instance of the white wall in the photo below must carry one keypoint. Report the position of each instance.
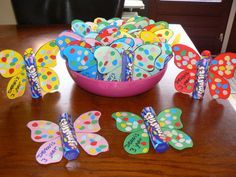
(6, 12)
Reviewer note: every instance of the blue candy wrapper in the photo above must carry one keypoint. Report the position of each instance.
(68, 137)
(201, 81)
(32, 74)
(155, 133)
(127, 65)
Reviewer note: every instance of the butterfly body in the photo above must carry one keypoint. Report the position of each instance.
(155, 133)
(63, 139)
(32, 74)
(68, 137)
(217, 71)
(162, 130)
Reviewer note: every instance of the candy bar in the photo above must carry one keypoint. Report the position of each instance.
(155, 133)
(202, 75)
(32, 74)
(68, 137)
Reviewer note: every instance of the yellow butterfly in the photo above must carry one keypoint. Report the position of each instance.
(36, 67)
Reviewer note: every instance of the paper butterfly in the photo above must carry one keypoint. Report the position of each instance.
(37, 68)
(221, 68)
(142, 62)
(48, 132)
(82, 59)
(137, 142)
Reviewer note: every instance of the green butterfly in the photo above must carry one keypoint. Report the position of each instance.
(169, 123)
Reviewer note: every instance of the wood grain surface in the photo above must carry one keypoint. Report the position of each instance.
(210, 123)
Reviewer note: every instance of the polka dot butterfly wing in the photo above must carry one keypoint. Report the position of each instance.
(85, 126)
(45, 60)
(51, 150)
(145, 60)
(109, 63)
(81, 59)
(80, 27)
(222, 67)
(12, 66)
(186, 59)
(170, 123)
(137, 142)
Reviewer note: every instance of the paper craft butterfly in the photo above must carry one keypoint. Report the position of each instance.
(37, 68)
(143, 60)
(221, 68)
(48, 132)
(169, 123)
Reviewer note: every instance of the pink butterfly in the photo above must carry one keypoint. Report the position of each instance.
(48, 132)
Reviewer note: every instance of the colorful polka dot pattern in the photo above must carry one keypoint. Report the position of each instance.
(46, 55)
(80, 27)
(108, 59)
(178, 139)
(218, 86)
(79, 58)
(88, 122)
(92, 143)
(42, 131)
(11, 63)
(128, 122)
(224, 65)
(170, 118)
(144, 60)
(48, 79)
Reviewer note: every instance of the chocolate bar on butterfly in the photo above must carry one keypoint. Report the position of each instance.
(32, 74)
(68, 137)
(202, 75)
(155, 133)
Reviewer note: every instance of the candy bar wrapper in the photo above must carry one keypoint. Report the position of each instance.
(127, 65)
(155, 133)
(32, 74)
(68, 137)
(201, 78)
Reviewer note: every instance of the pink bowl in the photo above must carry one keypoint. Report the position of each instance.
(116, 89)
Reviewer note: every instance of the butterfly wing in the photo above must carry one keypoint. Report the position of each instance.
(185, 57)
(218, 86)
(80, 27)
(16, 85)
(224, 65)
(144, 60)
(170, 118)
(109, 62)
(128, 122)
(138, 141)
(88, 122)
(48, 79)
(184, 82)
(177, 139)
(81, 59)
(11, 63)
(43, 131)
(164, 35)
(50, 152)
(165, 56)
(170, 122)
(92, 143)
(122, 44)
(46, 55)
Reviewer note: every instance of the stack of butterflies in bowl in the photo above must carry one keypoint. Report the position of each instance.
(116, 49)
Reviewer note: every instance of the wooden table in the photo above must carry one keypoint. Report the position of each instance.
(210, 123)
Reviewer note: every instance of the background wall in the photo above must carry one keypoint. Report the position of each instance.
(6, 12)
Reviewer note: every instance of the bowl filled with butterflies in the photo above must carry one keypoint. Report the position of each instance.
(116, 57)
